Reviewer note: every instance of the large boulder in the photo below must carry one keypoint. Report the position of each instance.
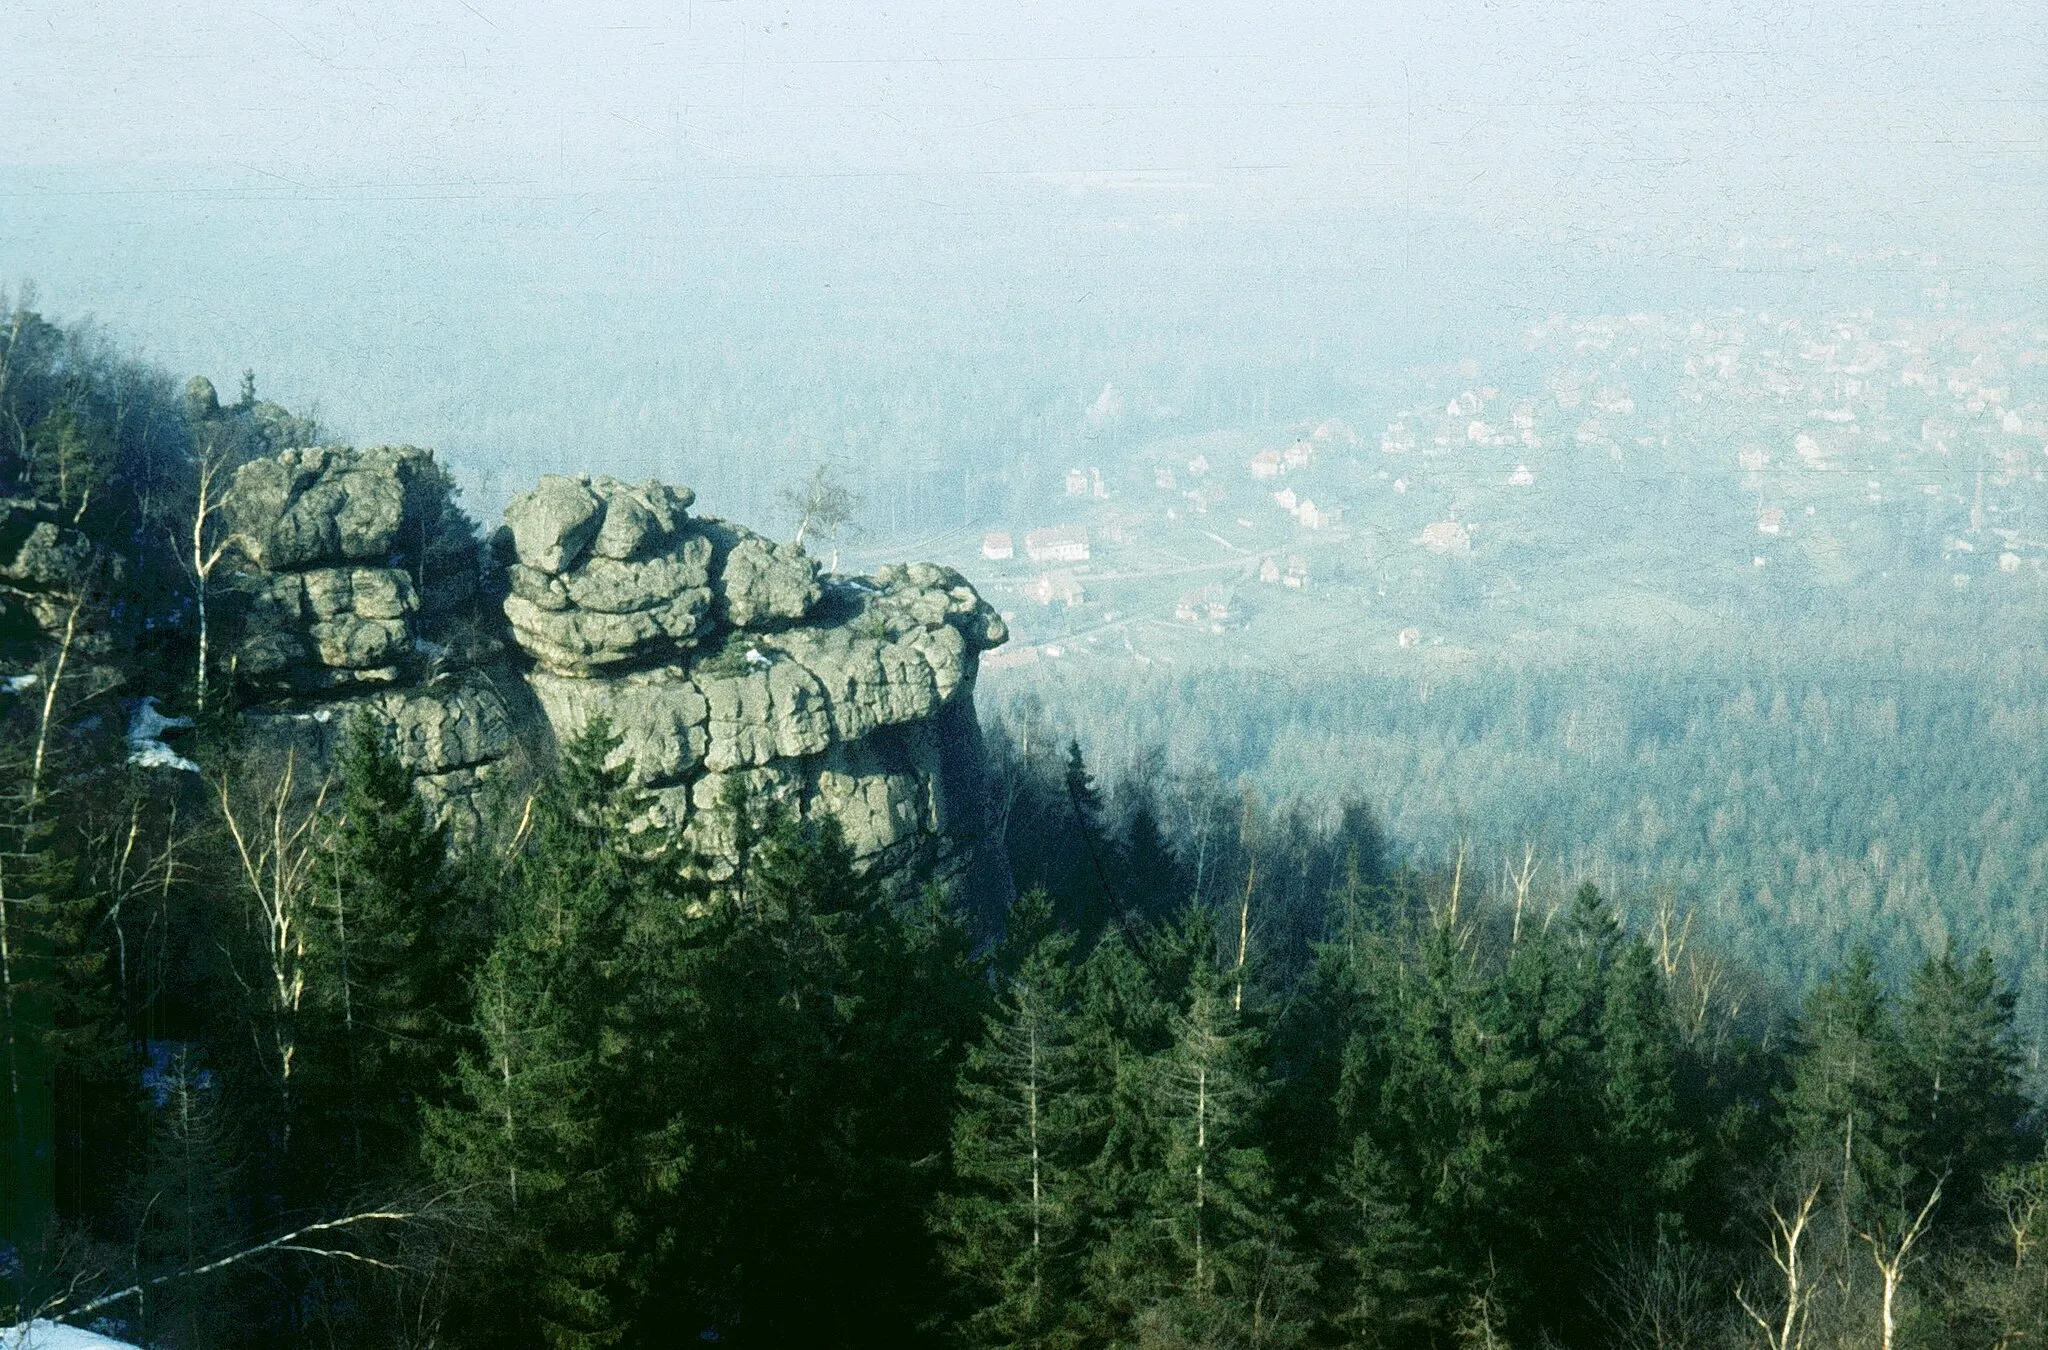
(761, 584)
(322, 627)
(611, 575)
(553, 524)
(322, 505)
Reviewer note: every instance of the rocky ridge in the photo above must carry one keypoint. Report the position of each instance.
(717, 654)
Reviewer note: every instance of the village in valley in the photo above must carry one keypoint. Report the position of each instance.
(1625, 477)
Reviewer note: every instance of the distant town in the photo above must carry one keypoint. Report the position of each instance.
(1642, 468)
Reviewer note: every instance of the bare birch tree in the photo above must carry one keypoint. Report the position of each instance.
(1780, 1315)
(1894, 1248)
(279, 830)
(205, 548)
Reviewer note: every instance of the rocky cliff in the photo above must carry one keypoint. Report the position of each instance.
(715, 653)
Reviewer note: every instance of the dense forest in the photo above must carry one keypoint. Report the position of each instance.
(1799, 805)
(1175, 1065)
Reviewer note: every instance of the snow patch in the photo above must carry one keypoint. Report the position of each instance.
(146, 748)
(42, 1334)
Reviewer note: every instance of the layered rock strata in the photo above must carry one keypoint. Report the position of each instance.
(719, 655)
(724, 660)
(356, 590)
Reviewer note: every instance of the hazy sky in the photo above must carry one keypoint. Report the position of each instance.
(1903, 117)
(545, 235)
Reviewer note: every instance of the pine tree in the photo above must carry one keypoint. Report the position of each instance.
(1843, 1102)
(1149, 870)
(1960, 1098)
(1226, 1270)
(1008, 1221)
(1454, 1119)
(1089, 892)
(181, 1204)
(383, 973)
(1120, 1023)
(1332, 1051)
(816, 1080)
(1378, 1248)
(1642, 1148)
(543, 1119)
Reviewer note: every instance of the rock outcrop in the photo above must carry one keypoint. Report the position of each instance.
(358, 590)
(721, 658)
(719, 655)
(44, 564)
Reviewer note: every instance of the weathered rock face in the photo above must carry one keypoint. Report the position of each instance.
(357, 590)
(716, 653)
(44, 563)
(722, 658)
(610, 575)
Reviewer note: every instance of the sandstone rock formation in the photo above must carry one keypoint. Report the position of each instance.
(722, 658)
(358, 589)
(44, 563)
(717, 654)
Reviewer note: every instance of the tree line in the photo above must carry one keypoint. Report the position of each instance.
(1878, 789)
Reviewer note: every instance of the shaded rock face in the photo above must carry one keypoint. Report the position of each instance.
(357, 589)
(44, 563)
(723, 659)
(720, 656)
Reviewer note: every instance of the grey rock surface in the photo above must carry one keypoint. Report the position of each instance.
(46, 566)
(356, 591)
(553, 524)
(735, 676)
(764, 583)
(723, 659)
(659, 715)
(323, 504)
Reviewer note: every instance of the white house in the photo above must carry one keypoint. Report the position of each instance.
(1057, 543)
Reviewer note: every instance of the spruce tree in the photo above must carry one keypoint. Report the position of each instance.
(1960, 1100)
(544, 1122)
(1120, 1023)
(818, 1074)
(384, 978)
(181, 1205)
(1642, 1148)
(1089, 891)
(1842, 1107)
(1224, 1266)
(1149, 871)
(1007, 1222)
(1453, 1118)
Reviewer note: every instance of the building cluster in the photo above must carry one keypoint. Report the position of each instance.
(1816, 431)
